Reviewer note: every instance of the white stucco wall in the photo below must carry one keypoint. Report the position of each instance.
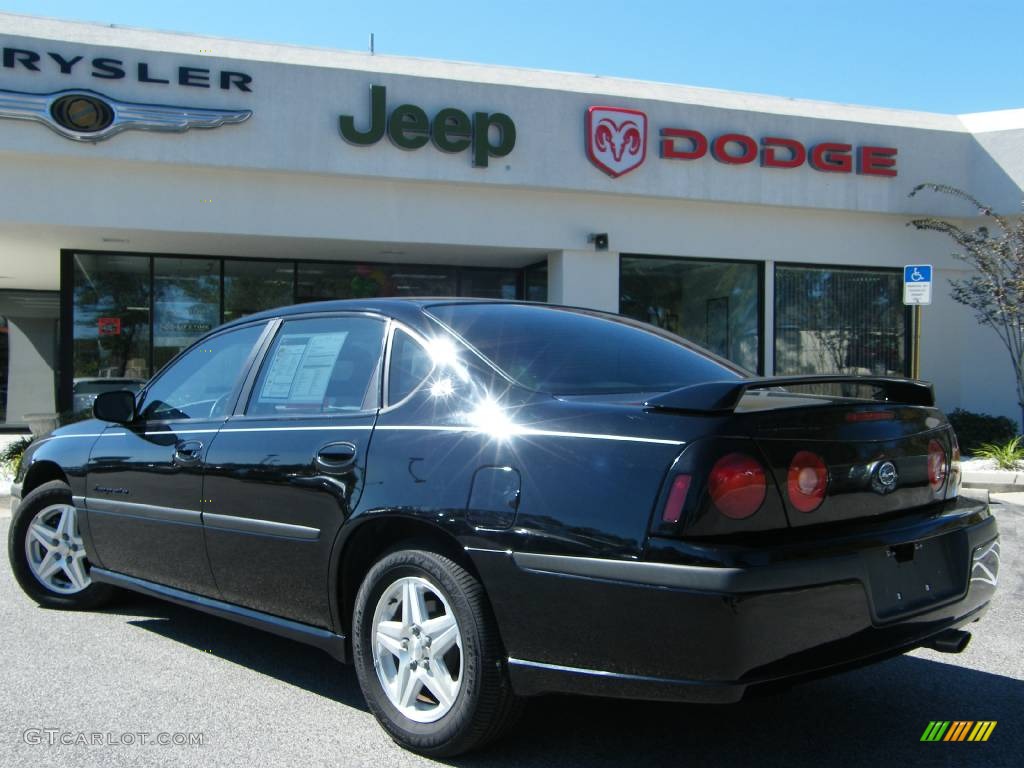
(285, 184)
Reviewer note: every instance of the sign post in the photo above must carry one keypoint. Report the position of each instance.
(917, 291)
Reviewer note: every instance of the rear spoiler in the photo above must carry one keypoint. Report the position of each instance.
(724, 396)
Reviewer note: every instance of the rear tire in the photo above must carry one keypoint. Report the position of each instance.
(47, 554)
(428, 655)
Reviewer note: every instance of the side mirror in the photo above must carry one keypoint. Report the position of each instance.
(117, 406)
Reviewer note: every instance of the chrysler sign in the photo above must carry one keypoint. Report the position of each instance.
(617, 143)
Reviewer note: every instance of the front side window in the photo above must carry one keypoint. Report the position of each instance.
(320, 366)
(199, 384)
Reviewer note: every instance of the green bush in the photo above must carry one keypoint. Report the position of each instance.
(10, 457)
(1006, 455)
(973, 430)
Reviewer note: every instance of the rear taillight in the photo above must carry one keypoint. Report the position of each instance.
(676, 499)
(807, 481)
(937, 467)
(737, 485)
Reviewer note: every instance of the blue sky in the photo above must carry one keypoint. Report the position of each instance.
(934, 55)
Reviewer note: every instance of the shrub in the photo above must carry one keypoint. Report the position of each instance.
(10, 457)
(976, 429)
(1006, 456)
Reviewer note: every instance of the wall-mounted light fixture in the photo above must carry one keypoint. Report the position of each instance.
(599, 239)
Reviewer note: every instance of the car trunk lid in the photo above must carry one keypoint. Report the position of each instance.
(876, 455)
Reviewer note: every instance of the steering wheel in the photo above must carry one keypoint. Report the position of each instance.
(217, 403)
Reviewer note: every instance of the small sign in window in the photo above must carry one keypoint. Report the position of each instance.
(108, 326)
(301, 368)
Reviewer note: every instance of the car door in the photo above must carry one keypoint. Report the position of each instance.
(145, 479)
(287, 469)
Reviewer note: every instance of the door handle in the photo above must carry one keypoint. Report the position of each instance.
(336, 458)
(188, 453)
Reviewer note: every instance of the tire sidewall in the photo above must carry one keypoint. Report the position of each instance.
(45, 495)
(455, 723)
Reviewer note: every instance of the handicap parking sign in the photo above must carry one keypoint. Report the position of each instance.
(917, 284)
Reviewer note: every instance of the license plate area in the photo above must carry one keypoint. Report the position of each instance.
(909, 577)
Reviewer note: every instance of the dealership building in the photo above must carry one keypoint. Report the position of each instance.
(155, 185)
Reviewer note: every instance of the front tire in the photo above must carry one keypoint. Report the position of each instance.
(428, 656)
(46, 551)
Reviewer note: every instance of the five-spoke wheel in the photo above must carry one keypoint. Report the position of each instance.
(428, 655)
(417, 650)
(47, 551)
(55, 551)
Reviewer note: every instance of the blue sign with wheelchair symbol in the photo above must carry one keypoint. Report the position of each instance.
(917, 284)
(917, 273)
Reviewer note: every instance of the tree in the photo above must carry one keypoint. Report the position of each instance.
(996, 291)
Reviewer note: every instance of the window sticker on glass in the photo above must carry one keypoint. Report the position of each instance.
(302, 366)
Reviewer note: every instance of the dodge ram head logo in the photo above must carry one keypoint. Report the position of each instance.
(616, 139)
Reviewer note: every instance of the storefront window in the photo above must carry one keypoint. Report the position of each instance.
(111, 297)
(132, 313)
(252, 286)
(536, 280)
(418, 280)
(489, 283)
(839, 321)
(716, 304)
(323, 281)
(186, 304)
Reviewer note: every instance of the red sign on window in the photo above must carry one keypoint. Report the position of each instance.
(109, 326)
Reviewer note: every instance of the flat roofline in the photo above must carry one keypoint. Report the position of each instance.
(93, 33)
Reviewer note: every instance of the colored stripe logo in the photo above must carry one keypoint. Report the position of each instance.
(958, 730)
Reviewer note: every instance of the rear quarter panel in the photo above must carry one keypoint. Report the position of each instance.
(590, 473)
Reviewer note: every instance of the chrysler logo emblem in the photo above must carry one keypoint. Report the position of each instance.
(82, 115)
(885, 477)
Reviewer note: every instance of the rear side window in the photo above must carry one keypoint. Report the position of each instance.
(320, 365)
(410, 365)
(567, 352)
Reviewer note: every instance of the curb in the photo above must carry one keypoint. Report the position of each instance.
(996, 487)
(995, 480)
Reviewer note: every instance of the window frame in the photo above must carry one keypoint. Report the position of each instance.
(396, 327)
(276, 325)
(65, 366)
(236, 389)
(908, 331)
(762, 347)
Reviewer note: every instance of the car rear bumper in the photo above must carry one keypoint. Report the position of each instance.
(711, 633)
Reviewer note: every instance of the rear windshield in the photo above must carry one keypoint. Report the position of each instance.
(567, 352)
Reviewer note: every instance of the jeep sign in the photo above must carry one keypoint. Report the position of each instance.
(485, 134)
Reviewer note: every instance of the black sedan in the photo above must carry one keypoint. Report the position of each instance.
(476, 502)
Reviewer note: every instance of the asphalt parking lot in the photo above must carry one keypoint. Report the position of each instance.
(145, 667)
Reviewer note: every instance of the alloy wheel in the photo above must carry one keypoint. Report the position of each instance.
(55, 552)
(417, 649)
